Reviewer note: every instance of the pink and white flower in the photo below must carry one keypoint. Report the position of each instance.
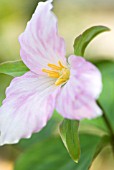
(71, 87)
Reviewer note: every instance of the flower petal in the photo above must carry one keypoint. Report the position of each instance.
(87, 74)
(74, 105)
(27, 107)
(40, 42)
(76, 100)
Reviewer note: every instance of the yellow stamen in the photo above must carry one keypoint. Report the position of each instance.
(53, 66)
(54, 75)
(51, 73)
(61, 65)
(64, 77)
(48, 71)
(60, 72)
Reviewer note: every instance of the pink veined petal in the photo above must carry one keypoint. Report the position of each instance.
(76, 100)
(73, 104)
(87, 74)
(40, 42)
(29, 104)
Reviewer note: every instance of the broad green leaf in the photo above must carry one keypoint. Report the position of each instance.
(86, 37)
(4, 82)
(13, 68)
(69, 135)
(107, 97)
(51, 155)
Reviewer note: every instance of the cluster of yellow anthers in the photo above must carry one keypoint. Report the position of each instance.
(60, 72)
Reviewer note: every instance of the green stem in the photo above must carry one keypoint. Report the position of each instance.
(106, 119)
(108, 126)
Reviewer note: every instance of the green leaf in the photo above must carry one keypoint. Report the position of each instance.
(51, 155)
(107, 97)
(69, 135)
(86, 37)
(4, 82)
(13, 68)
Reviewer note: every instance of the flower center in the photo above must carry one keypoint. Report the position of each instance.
(60, 72)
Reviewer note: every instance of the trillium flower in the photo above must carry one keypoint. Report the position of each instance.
(53, 82)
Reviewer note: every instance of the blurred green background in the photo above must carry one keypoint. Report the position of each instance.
(74, 16)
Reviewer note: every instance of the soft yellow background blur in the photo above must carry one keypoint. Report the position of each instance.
(74, 16)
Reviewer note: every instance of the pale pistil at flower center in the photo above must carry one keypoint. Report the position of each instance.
(60, 72)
